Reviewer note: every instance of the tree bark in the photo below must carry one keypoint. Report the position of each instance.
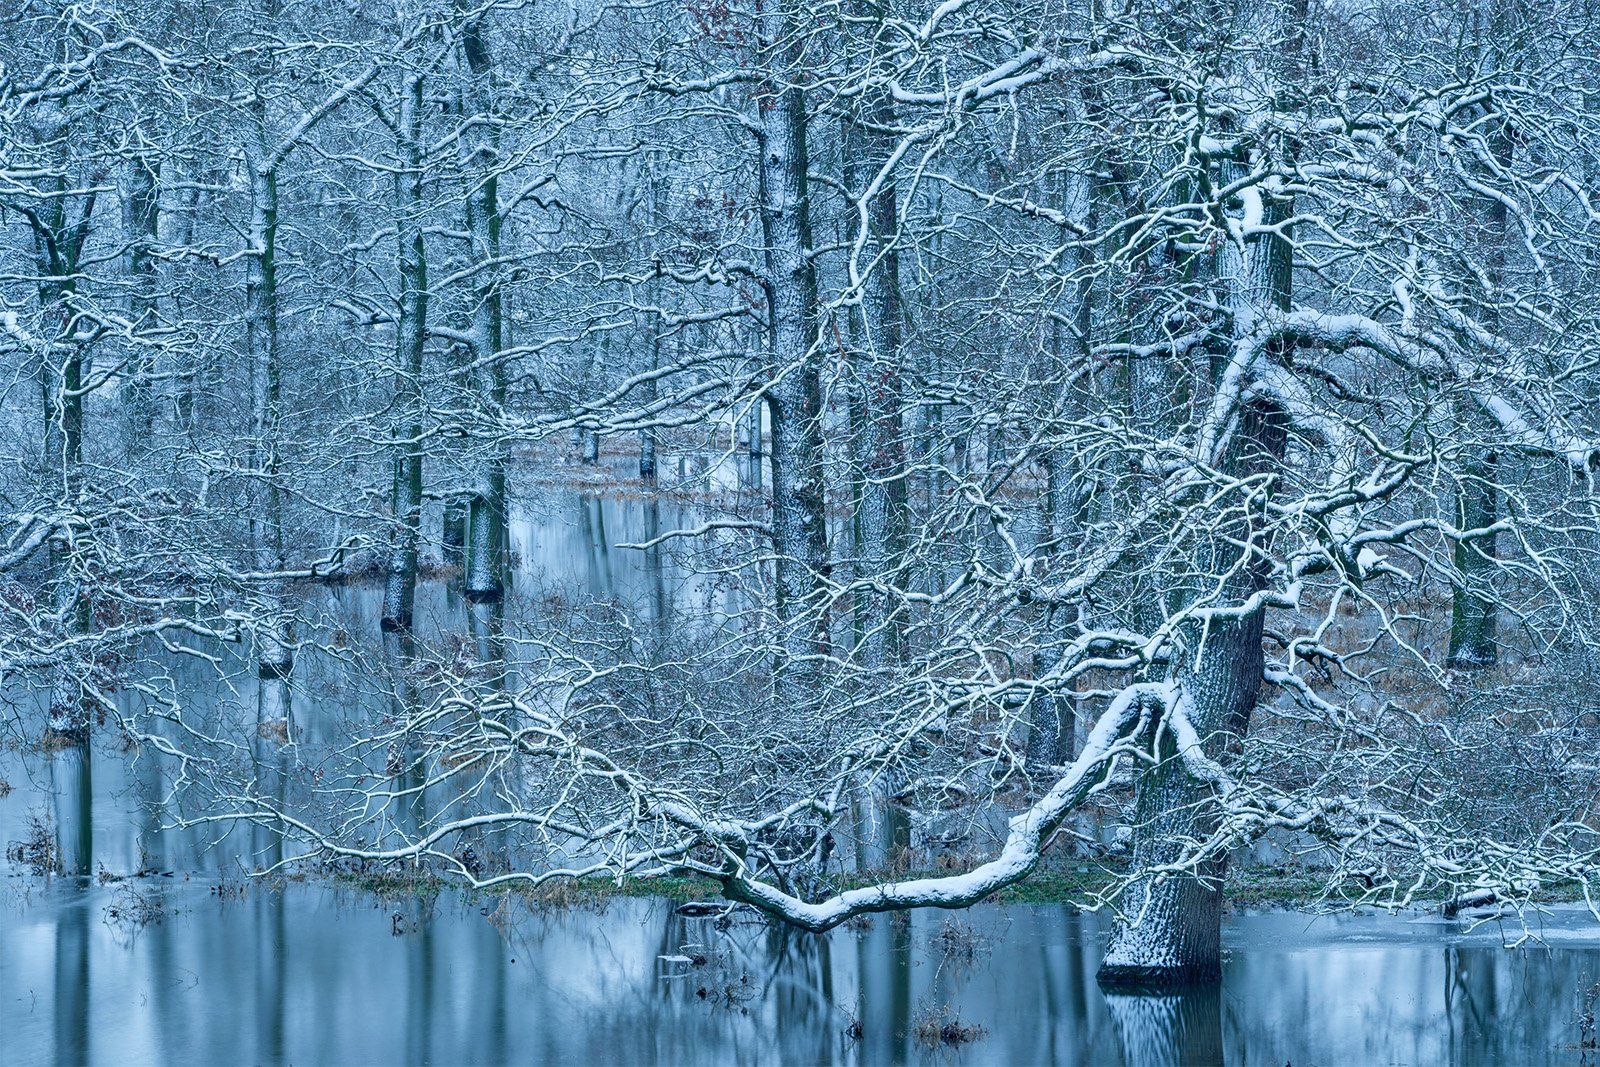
(274, 636)
(795, 398)
(486, 536)
(399, 595)
(58, 248)
(883, 521)
(144, 225)
(1473, 608)
(1170, 932)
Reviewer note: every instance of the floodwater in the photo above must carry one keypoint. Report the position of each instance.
(169, 971)
(197, 963)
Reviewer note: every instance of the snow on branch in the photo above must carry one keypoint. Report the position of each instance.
(1124, 728)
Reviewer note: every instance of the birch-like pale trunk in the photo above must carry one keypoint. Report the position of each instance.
(399, 595)
(274, 634)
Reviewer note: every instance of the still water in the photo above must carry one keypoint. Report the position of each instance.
(197, 964)
(312, 975)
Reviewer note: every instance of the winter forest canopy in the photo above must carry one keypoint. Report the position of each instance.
(1132, 430)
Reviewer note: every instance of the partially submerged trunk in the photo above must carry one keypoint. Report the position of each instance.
(1169, 933)
(72, 801)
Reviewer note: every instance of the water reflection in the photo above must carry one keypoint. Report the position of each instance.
(310, 974)
(1169, 1031)
(70, 988)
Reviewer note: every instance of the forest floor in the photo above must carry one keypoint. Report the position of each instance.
(1276, 885)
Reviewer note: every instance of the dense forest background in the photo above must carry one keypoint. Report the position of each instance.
(1154, 427)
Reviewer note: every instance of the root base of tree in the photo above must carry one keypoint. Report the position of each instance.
(1138, 978)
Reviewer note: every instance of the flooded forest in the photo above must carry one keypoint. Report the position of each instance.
(849, 532)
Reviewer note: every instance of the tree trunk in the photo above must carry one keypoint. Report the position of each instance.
(1170, 932)
(883, 520)
(453, 532)
(486, 536)
(60, 385)
(795, 399)
(399, 595)
(274, 634)
(58, 247)
(144, 224)
(1473, 609)
(1052, 716)
(1052, 723)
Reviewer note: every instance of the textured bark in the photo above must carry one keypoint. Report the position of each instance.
(486, 537)
(882, 513)
(399, 595)
(453, 532)
(274, 636)
(1170, 933)
(274, 632)
(58, 247)
(795, 399)
(143, 224)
